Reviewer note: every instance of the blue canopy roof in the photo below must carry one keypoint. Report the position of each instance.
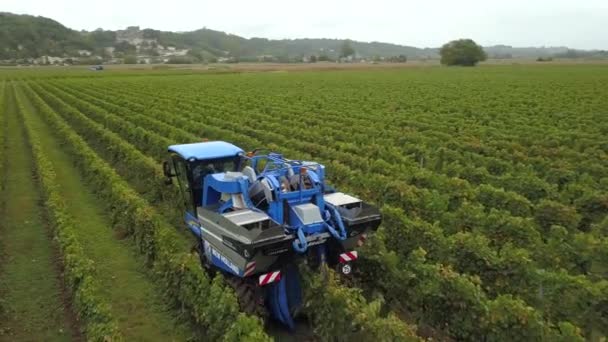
(206, 150)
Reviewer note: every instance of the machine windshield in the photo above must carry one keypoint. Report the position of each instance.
(203, 168)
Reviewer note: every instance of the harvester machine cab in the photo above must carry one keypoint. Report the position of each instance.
(255, 215)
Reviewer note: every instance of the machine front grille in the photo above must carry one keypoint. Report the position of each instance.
(276, 250)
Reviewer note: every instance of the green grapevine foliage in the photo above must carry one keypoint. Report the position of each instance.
(493, 183)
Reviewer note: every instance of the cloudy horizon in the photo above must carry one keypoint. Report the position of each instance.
(518, 23)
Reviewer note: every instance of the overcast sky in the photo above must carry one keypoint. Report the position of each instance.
(422, 23)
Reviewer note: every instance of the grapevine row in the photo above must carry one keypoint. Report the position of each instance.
(526, 235)
(489, 196)
(102, 135)
(79, 271)
(361, 106)
(2, 131)
(515, 230)
(333, 126)
(206, 300)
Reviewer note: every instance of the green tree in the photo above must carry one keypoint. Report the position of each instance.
(346, 49)
(180, 60)
(125, 48)
(462, 52)
(130, 60)
(548, 213)
(323, 58)
(398, 59)
(101, 38)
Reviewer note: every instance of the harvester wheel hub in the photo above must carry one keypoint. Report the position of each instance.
(346, 269)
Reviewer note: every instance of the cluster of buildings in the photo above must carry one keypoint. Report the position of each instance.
(146, 51)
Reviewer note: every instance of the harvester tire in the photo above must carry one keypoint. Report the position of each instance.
(249, 296)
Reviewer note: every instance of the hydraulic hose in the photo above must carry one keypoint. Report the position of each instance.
(300, 244)
(338, 218)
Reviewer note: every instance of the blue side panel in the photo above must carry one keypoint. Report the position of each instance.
(216, 184)
(293, 290)
(223, 263)
(284, 304)
(216, 258)
(192, 223)
(220, 261)
(273, 301)
(285, 296)
(279, 305)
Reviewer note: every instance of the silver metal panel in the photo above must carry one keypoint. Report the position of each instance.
(245, 216)
(310, 165)
(338, 199)
(217, 224)
(249, 172)
(230, 175)
(308, 213)
(267, 189)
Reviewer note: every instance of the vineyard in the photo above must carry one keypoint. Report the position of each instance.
(493, 184)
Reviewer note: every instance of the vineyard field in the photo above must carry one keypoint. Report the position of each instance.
(492, 181)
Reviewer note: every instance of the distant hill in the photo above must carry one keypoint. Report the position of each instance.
(220, 43)
(23, 36)
(30, 39)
